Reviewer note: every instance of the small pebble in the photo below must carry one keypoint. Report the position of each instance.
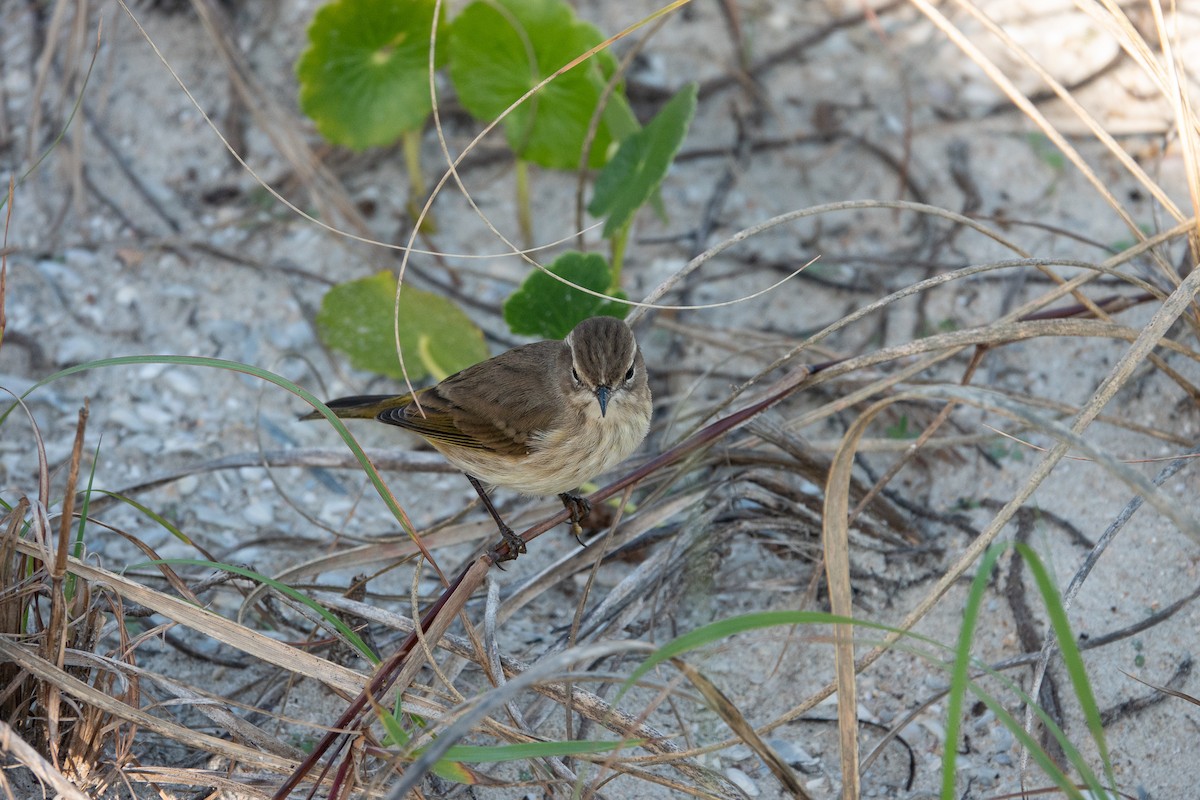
(984, 723)
(182, 381)
(259, 513)
(738, 752)
(126, 417)
(81, 257)
(153, 416)
(296, 336)
(127, 295)
(75, 350)
(795, 756)
(936, 728)
(58, 273)
(742, 781)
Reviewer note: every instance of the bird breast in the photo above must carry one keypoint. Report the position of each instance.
(580, 446)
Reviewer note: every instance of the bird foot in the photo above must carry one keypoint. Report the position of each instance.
(579, 509)
(516, 545)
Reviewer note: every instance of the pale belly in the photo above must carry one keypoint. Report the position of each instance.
(559, 462)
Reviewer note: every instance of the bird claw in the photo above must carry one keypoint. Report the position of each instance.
(579, 509)
(516, 545)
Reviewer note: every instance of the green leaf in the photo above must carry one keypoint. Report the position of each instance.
(436, 336)
(396, 735)
(500, 50)
(548, 308)
(364, 78)
(635, 172)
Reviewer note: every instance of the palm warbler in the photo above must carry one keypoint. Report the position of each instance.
(541, 419)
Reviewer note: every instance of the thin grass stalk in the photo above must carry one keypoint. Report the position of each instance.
(14, 605)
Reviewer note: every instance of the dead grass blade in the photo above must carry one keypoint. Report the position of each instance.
(591, 706)
(1062, 93)
(835, 539)
(729, 712)
(396, 669)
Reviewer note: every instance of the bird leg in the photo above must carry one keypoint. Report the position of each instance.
(579, 508)
(516, 545)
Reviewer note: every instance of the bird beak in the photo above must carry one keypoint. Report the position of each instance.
(602, 393)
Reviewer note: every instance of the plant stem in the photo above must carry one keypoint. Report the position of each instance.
(412, 162)
(524, 213)
(618, 242)
(411, 142)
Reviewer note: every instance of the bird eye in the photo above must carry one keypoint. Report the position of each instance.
(629, 374)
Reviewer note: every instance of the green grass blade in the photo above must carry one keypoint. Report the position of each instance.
(165, 523)
(960, 673)
(1073, 661)
(77, 550)
(471, 754)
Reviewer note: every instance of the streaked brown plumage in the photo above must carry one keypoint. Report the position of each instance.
(541, 419)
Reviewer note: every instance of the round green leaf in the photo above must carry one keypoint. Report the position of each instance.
(641, 163)
(364, 79)
(501, 49)
(436, 336)
(548, 308)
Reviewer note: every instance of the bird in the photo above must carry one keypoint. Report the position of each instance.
(541, 419)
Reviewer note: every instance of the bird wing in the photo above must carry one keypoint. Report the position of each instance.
(435, 420)
(503, 405)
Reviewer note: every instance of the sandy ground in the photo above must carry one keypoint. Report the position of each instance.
(139, 234)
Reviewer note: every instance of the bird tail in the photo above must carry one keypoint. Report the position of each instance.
(363, 406)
